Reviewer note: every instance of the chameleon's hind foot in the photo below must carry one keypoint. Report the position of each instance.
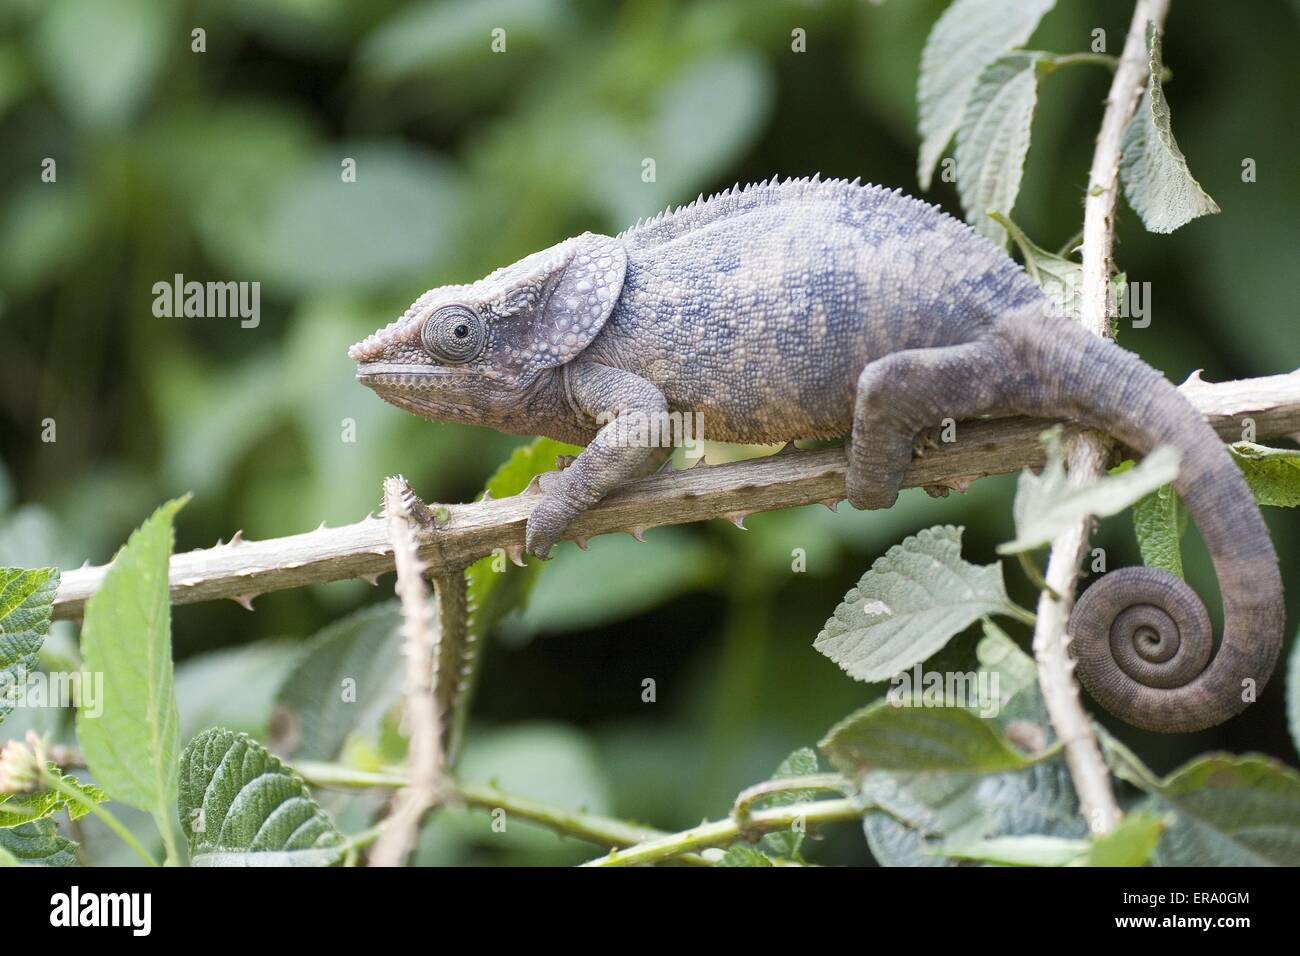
(868, 492)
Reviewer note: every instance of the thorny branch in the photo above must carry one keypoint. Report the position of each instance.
(422, 715)
(1086, 453)
(241, 569)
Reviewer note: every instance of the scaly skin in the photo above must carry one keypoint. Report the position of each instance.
(809, 309)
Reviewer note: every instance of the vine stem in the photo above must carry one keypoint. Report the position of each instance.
(722, 832)
(1086, 453)
(55, 782)
(1079, 59)
(601, 830)
(659, 845)
(740, 810)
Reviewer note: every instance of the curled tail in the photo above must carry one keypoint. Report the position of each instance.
(1141, 636)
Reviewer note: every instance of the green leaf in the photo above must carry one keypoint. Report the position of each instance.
(348, 677)
(1016, 671)
(1293, 694)
(920, 813)
(917, 813)
(20, 808)
(1231, 811)
(131, 747)
(1159, 521)
(1030, 850)
(1132, 843)
(1272, 473)
(1058, 277)
(909, 604)
(969, 36)
(882, 736)
(38, 843)
(742, 855)
(801, 763)
(1048, 504)
(1157, 182)
(993, 140)
(492, 594)
(26, 598)
(240, 806)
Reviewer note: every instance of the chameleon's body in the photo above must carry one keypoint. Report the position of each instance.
(809, 309)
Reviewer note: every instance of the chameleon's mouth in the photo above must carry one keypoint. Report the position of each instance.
(393, 375)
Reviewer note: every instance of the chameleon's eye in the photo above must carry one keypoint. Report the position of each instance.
(454, 334)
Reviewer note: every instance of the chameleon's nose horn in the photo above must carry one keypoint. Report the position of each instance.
(367, 349)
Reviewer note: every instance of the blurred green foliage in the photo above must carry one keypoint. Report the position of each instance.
(225, 165)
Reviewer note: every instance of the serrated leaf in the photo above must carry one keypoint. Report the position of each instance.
(1157, 182)
(993, 139)
(1058, 277)
(969, 36)
(131, 748)
(38, 844)
(1047, 504)
(882, 736)
(348, 677)
(1159, 520)
(1231, 811)
(1272, 473)
(909, 604)
(1132, 843)
(918, 813)
(741, 855)
(801, 763)
(240, 806)
(26, 597)
(19, 808)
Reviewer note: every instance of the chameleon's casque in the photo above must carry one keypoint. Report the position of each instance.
(811, 309)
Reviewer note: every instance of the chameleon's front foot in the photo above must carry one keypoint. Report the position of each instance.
(553, 514)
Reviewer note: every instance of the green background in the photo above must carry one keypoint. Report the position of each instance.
(225, 165)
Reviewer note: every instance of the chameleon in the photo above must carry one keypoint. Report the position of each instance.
(816, 309)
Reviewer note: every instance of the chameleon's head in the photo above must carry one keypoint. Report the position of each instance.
(470, 352)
